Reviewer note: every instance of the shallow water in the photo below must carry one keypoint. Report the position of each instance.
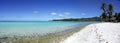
(41, 27)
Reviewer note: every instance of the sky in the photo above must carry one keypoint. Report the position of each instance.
(43, 10)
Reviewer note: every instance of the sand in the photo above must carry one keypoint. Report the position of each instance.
(96, 33)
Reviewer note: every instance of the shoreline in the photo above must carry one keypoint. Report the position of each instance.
(55, 37)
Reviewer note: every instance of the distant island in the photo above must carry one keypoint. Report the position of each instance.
(79, 19)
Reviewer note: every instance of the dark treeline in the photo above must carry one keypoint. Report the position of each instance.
(80, 19)
(109, 14)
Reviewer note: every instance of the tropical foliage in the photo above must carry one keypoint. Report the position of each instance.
(80, 19)
(109, 14)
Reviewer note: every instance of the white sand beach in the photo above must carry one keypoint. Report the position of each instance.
(96, 33)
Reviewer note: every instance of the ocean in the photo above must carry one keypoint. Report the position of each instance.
(41, 27)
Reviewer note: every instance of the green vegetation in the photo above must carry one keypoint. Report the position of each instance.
(108, 13)
(80, 19)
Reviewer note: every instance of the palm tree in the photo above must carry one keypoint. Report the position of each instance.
(116, 14)
(118, 17)
(103, 7)
(110, 11)
(104, 16)
(111, 8)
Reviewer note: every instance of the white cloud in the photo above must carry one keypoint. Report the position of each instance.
(61, 15)
(53, 13)
(83, 14)
(67, 13)
(35, 12)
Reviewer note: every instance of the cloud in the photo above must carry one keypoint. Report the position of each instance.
(67, 13)
(35, 12)
(61, 15)
(53, 13)
(64, 14)
(83, 14)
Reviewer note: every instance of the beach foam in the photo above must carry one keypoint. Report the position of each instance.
(96, 33)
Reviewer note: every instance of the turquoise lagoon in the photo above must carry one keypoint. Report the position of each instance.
(41, 27)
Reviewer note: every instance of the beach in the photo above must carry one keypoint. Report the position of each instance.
(89, 33)
(96, 33)
(59, 21)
